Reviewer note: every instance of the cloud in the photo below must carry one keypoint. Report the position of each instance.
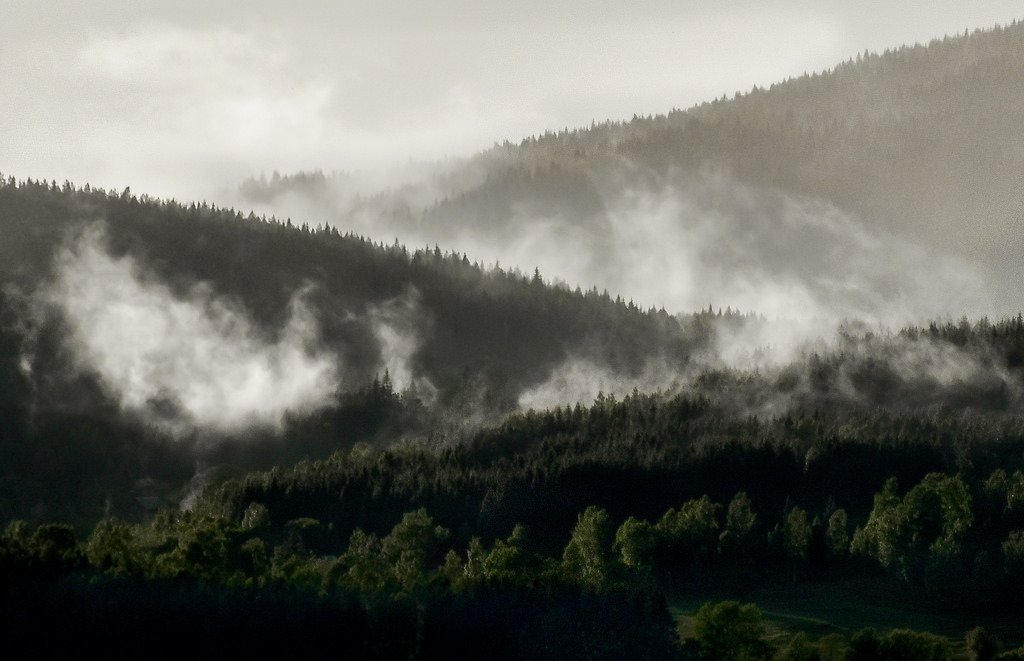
(852, 367)
(582, 380)
(694, 239)
(163, 56)
(805, 267)
(184, 362)
(187, 97)
(183, 105)
(399, 326)
(684, 240)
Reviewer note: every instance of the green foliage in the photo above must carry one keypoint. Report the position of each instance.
(588, 558)
(1013, 556)
(874, 539)
(366, 569)
(899, 645)
(691, 532)
(833, 647)
(922, 532)
(740, 522)
(51, 548)
(797, 533)
(201, 552)
(904, 644)
(113, 548)
(47, 548)
(865, 645)
(797, 648)
(982, 645)
(403, 561)
(508, 561)
(473, 571)
(838, 534)
(414, 543)
(255, 517)
(254, 563)
(730, 630)
(637, 543)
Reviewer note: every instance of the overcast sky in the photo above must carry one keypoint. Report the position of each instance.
(184, 97)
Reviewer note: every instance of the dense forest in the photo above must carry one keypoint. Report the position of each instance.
(294, 437)
(417, 345)
(415, 551)
(894, 457)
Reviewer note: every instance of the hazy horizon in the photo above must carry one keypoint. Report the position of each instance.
(189, 99)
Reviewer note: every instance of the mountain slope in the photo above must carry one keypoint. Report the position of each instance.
(903, 167)
(145, 343)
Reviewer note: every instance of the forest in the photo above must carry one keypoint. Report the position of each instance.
(315, 435)
(892, 457)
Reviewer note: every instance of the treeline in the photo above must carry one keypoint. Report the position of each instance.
(600, 595)
(236, 586)
(638, 456)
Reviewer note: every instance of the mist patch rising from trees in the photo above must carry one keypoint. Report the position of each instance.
(675, 239)
(399, 326)
(853, 366)
(184, 362)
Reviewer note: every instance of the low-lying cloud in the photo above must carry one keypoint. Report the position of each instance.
(853, 367)
(184, 362)
(681, 240)
(582, 380)
(694, 239)
(399, 325)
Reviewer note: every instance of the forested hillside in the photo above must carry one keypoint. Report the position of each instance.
(916, 148)
(201, 327)
(150, 348)
(565, 530)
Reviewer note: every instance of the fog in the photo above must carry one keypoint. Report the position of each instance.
(684, 241)
(849, 367)
(400, 327)
(195, 361)
(712, 240)
(582, 381)
(187, 98)
(192, 99)
(187, 362)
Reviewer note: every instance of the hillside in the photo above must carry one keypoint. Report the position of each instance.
(146, 342)
(855, 191)
(149, 348)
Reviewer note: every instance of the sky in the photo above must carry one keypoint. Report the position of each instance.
(187, 98)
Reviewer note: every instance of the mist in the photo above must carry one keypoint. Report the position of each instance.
(184, 362)
(400, 326)
(853, 367)
(186, 99)
(678, 240)
(684, 241)
(580, 380)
